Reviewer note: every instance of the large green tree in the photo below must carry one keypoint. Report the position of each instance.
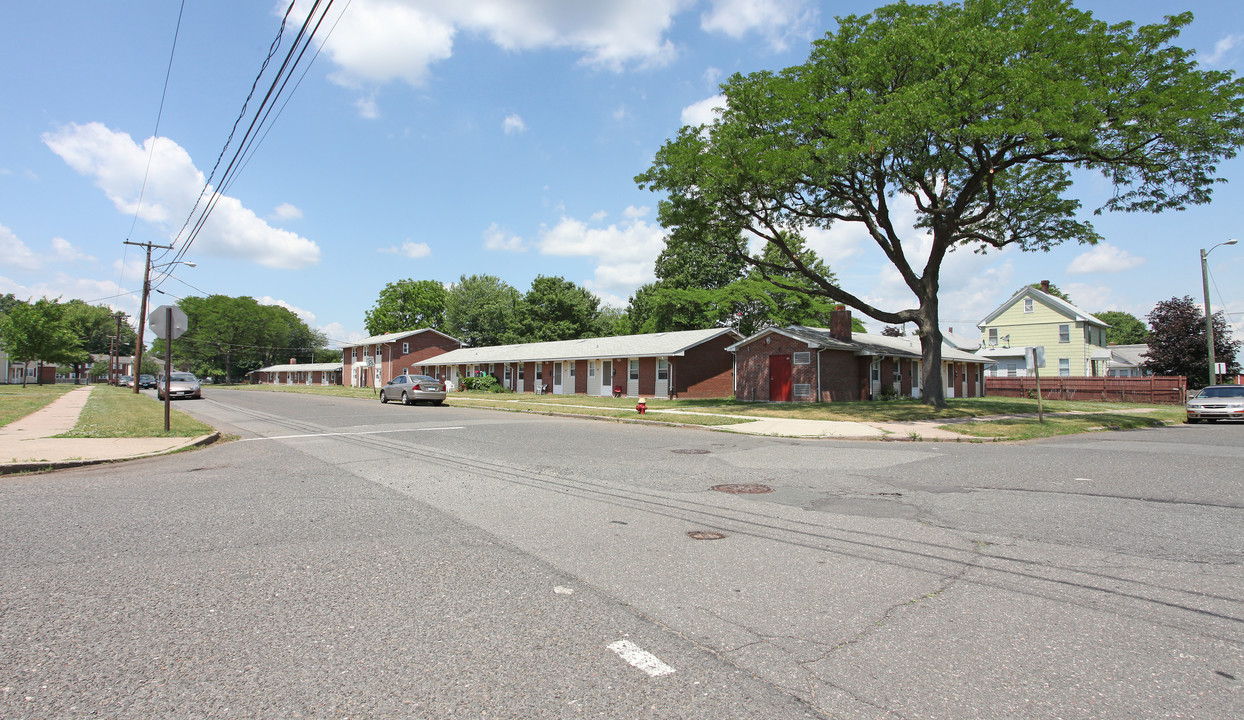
(973, 115)
(554, 309)
(38, 332)
(1178, 345)
(94, 327)
(1125, 328)
(407, 305)
(479, 309)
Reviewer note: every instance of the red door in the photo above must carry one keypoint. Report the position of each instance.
(779, 378)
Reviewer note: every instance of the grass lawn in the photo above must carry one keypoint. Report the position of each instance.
(114, 412)
(1087, 417)
(17, 402)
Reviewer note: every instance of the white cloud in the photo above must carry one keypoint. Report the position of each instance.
(1089, 298)
(286, 211)
(410, 249)
(64, 286)
(17, 254)
(513, 124)
(1104, 258)
(496, 238)
(778, 21)
(704, 112)
(624, 253)
(117, 164)
(379, 41)
(1222, 51)
(306, 315)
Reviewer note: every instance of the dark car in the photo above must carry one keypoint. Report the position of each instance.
(411, 389)
(1217, 402)
(146, 381)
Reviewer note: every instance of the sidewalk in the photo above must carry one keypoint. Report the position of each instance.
(27, 444)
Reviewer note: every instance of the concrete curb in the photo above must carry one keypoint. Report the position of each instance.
(50, 465)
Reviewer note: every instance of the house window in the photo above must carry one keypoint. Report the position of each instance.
(539, 371)
(803, 358)
(507, 374)
(572, 368)
(591, 368)
(521, 371)
(663, 369)
(405, 348)
(992, 370)
(1064, 367)
(1010, 370)
(1028, 305)
(1064, 333)
(993, 336)
(377, 353)
(356, 353)
(803, 390)
(634, 370)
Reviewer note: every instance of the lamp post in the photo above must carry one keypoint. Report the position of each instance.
(1209, 316)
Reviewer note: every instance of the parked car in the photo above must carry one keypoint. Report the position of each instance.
(127, 381)
(181, 385)
(146, 381)
(1217, 402)
(412, 389)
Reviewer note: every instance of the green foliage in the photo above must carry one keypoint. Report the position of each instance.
(39, 331)
(554, 309)
(407, 305)
(1178, 345)
(479, 310)
(975, 115)
(1125, 328)
(228, 337)
(482, 383)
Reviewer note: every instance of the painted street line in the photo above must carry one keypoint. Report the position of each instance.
(340, 434)
(640, 658)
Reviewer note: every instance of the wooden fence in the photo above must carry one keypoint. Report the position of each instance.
(1168, 390)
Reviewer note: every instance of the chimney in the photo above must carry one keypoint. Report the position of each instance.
(293, 361)
(1045, 286)
(840, 324)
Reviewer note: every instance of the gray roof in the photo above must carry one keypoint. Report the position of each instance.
(1128, 355)
(1057, 303)
(863, 344)
(390, 337)
(667, 344)
(303, 367)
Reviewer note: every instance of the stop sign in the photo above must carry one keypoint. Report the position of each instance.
(157, 321)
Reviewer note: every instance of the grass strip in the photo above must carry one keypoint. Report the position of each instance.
(1030, 429)
(113, 412)
(17, 402)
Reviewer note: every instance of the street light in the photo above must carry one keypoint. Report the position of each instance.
(1209, 317)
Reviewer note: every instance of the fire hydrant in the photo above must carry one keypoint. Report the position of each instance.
(641, 407)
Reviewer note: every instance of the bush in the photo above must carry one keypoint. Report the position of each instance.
(482, 383)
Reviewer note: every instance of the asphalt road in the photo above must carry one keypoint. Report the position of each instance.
(348, 559)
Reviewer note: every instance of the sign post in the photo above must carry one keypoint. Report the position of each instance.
(169, 323)
(1035, 357)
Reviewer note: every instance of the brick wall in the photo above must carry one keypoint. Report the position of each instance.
(705, 371)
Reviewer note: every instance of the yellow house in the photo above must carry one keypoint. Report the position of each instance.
(1074, 341)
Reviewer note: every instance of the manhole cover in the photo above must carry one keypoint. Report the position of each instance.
(704, 535)
(689, 451)
(743, 488)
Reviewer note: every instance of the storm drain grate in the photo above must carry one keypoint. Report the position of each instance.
(743, 488)
(689, 451)
(705, 535)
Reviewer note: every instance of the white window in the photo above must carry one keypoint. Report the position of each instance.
(1028, 305)
(356, 353)
(405, 348)
(521, 371)
(663, 369)
(1010, 370)
(539, 371)
(572, 369)
(993, 336)
(507, 374)
(591, 368)
(1064, 333)
(1064, 367)
(803, 358)
(634, 369)
(377, 351)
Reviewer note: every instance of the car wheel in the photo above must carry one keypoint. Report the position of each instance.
(1193, 421)
(383, 399)
(438, 403)
(405, 399)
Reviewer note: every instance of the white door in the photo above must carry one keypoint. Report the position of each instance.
(606, 378)
(557, 378)
(663, 378)
(632, 378)
(593, 378)
(874, 378)
(950, 381)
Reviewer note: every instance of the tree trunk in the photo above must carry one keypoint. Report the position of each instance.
(933, 390)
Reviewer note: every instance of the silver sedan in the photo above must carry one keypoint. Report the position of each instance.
(180, 385)
(411, 389)
(1217, 402)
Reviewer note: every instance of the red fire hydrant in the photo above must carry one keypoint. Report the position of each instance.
(641, 407)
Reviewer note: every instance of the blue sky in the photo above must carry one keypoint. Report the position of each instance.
(501, 137)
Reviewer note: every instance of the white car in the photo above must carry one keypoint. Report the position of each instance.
(1217, 402)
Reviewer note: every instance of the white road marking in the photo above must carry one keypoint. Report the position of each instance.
(640, 658)
(369, 432)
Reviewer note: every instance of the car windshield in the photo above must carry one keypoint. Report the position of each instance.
(422, 379)
(182, 377)
(1223, 392)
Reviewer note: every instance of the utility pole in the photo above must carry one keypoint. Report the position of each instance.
(142, 313)
(113, 375)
